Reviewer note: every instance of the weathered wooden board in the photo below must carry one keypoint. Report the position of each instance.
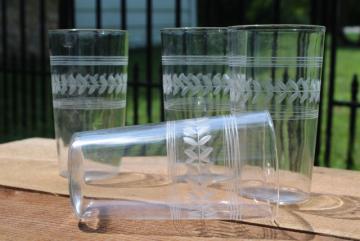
(333, 210)
(32, 216)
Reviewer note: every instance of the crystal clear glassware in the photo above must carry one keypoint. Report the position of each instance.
(278, 68)
(195, 72)
(174, 171)
(89, 82)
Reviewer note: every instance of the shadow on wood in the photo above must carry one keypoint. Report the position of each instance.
(332, 206)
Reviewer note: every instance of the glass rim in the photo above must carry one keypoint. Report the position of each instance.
(86, 30)
(283, 27)
(193, 29)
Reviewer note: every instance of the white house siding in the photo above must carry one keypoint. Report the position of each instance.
(163, 16)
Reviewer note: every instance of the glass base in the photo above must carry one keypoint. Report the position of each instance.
(290, 196)
(64, 173)
(287, 196)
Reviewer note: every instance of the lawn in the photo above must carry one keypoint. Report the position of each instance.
(348, 64)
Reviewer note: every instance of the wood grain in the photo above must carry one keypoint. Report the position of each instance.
(333, 210)
(29, 215)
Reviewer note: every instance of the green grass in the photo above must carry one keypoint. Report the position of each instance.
(348, 64)
(353, 37)
(138, 56)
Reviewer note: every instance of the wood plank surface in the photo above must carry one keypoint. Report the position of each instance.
(333, 210)
(32, 215)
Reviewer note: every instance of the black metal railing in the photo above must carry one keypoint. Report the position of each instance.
(331, 20)
(25, 95)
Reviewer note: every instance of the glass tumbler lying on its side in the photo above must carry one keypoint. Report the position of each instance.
(193, 180)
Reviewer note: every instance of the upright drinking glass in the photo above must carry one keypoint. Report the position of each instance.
(174, 170)
(195, 72)
(89, 80)
(278, 68)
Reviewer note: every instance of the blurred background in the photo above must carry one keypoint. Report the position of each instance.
(25, 86)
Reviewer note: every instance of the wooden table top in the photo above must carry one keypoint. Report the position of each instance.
(34, 205)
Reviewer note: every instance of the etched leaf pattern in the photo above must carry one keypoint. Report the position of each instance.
(241, 88)
(196, 139)
(79, 84)
(192, 84)
(245, 90)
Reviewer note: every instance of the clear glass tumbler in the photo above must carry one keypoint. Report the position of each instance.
(89, 80)
(278, 68)
(195, 72)
(174, 171)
